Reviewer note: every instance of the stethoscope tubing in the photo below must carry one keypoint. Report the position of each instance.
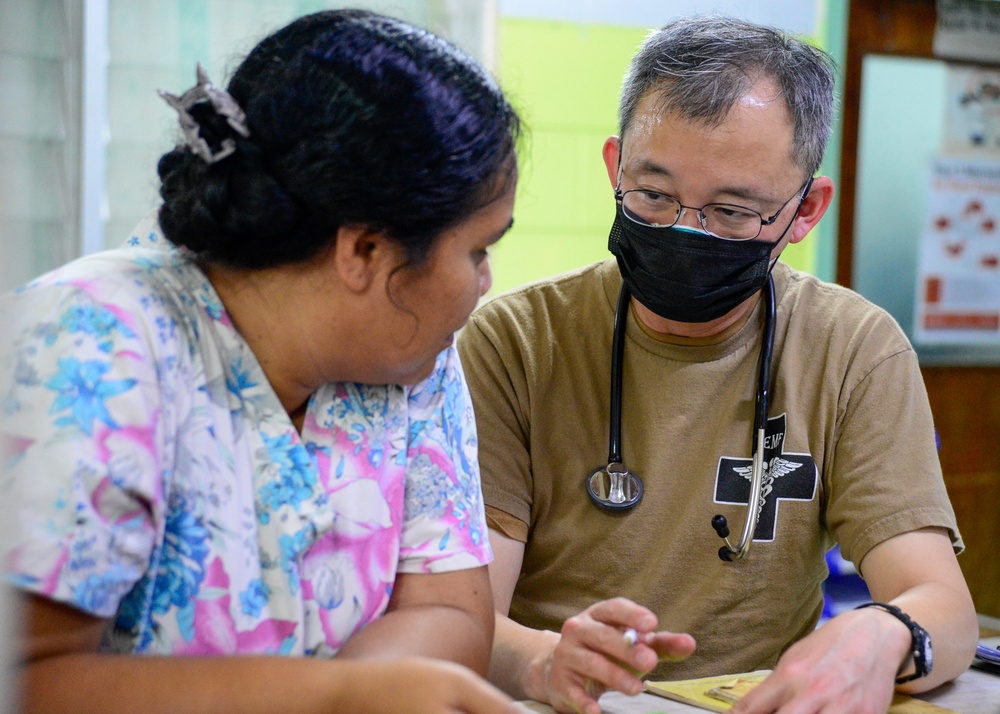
(754, 504)
(761, 405)
(617, 357)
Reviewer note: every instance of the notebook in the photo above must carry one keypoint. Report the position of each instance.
(718, 694)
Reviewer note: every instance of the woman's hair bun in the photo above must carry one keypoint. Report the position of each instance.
(352, 118)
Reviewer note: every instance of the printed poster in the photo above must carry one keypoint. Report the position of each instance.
(958, 268)
(967, 29)
(972, 116)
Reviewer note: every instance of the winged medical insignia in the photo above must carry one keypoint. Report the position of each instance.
(786, 477)
(776, 468)
(781, 467)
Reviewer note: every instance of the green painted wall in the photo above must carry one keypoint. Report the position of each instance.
(564, 78)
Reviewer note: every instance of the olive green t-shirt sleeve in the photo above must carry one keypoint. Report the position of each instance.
(885, 455)
(496, 381)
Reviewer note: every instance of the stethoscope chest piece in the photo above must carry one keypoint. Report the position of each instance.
(614, 487)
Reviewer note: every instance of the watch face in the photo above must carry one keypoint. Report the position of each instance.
(928, 654)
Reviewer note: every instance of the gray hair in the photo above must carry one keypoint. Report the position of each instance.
(701, 66)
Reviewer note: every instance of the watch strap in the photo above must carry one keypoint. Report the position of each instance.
(919, 640)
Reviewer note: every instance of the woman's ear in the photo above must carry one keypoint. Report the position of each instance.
(813, 208)
(356, 256)
(612, 155)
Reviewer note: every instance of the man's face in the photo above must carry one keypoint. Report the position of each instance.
(746, 160)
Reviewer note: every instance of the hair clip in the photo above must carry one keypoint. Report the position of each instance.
(223, 104)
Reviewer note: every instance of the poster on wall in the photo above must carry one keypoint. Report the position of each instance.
(958, 269)
(972, 114)
(967, 29)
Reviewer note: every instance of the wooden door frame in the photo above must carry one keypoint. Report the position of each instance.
(888, 27)
(965, 401)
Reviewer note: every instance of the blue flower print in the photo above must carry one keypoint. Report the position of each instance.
(25, 373)
(97, 321)
(430, 493)
(340, 409)
(239, 380)
(210, 301)
(255, 597)
(47, 332)
(131, 610)
(180, 571)
(182, 559)
(167, 329)
(103, 591)
(314, 449)
(296, 473)
(292, 548)
(83, 392)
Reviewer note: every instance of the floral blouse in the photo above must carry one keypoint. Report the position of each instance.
(152, 477)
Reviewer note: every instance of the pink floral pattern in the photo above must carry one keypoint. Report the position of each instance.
(156, 480)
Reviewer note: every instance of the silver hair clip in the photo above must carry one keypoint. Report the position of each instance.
(224, 105)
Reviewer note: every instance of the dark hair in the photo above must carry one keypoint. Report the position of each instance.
(354, 118)
(701, 66)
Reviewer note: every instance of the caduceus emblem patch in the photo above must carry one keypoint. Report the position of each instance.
(787, 476)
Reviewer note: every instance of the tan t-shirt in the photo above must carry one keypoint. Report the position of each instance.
(850, 447)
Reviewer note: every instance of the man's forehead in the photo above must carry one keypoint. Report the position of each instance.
(659, 100)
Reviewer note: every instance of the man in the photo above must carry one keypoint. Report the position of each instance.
(723, 125)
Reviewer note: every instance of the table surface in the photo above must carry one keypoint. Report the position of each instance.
(974, 692)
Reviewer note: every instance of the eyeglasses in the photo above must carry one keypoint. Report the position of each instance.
(727, 221)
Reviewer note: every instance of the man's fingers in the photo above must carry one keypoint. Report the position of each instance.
(578, 698)
(622, 612)
(671, 645)
(762, 698)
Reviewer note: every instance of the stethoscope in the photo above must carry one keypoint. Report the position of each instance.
(616, 488)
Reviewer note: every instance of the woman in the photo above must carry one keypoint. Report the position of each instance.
(209, 455)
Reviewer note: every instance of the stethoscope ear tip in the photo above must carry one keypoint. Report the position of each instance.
(725, 554)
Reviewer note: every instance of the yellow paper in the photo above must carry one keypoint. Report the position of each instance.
(733, 691)
(696, 691)
(718, 694)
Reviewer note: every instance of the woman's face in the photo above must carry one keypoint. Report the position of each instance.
(428, 303)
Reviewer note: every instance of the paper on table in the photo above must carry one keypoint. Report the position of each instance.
(696, 691)
(718, 694)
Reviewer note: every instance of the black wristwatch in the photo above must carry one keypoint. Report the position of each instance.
(920, 645)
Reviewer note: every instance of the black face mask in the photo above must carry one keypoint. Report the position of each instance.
(685, 275)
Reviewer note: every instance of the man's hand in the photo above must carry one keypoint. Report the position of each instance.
(847, 666)
(591, 656)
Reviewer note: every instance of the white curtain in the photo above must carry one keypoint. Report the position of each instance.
(155, 45)
(40, 47)
(50, 191)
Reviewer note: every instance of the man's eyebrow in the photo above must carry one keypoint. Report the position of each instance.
(646, 166)
(743, 193)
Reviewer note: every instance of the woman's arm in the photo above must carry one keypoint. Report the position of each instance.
(441, 615)
(61, 671)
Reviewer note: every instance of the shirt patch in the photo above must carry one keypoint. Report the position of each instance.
(787, 476)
